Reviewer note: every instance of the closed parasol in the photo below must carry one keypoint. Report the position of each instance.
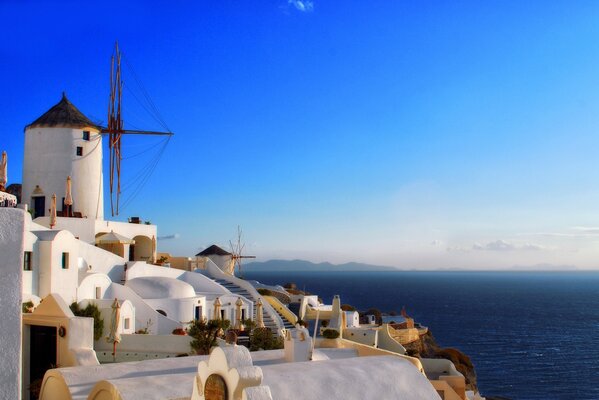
(238, 324)
(68, 198)
(3, 171)
(216, 309)
(259, 317)
(53, 211)
(114, 336)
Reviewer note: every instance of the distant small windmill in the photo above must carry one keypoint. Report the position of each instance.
(237, 251)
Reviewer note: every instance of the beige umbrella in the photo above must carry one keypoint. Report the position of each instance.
(238, 304)
(216, 309)
(68, 198)
(259, 317)
(53, 212)
(114, 238)
(114, 336)
(3, 171)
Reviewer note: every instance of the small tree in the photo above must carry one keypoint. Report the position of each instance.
(204, 334)
(90, 311)
(263, 339)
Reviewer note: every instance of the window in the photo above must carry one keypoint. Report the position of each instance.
(127, 323)
(98, 292)
(65, 260)
(27, 261)
(86, 136)
(79, 150)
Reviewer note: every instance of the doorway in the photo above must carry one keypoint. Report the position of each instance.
(42, 351)
(39, 206)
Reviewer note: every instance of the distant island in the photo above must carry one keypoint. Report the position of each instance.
(308, 266)
(303, 266)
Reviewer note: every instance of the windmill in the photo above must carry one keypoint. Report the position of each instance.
(237, 252)
(115, 129)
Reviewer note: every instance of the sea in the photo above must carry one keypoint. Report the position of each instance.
(530, 335)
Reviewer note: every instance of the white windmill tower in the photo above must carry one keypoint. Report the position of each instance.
(63, 142)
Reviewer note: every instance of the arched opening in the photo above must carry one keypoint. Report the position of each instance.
(215, 388)
(142, 250)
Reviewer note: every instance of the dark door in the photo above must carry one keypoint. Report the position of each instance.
(42, 351)
(39, 206)
(132, 252)
(198, 313)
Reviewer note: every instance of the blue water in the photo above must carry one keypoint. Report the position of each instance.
(530, 335)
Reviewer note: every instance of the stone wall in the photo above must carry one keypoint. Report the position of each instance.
(12, 227)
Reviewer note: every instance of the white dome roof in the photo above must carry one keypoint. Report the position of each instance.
(161, 287)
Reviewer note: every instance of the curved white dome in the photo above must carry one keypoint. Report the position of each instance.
(160, 287)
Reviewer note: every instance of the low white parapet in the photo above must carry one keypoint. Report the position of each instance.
(230, 372)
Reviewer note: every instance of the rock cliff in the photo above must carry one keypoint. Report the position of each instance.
(427, 347)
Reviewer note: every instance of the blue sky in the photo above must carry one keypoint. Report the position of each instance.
(414, 134)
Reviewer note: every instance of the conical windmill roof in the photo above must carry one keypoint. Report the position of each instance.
(63, 114)
(213, 250)
(114, 238)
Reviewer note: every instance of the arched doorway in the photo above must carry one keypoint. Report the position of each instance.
(142, 250)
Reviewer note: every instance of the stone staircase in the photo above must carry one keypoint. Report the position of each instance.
(233, 288)
(286, 322)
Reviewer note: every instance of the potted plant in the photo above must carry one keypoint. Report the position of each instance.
(330, 338)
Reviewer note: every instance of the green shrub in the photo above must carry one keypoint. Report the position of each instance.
(264, 339)
(265, 292)
(28, 307)
(204, 334)
(249, 325)
(90, 311)
(330, 334)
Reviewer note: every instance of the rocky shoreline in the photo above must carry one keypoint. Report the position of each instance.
(427, 347)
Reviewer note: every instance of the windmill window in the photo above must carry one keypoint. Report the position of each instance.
(86, 136)
(79, 150)
(27, 261)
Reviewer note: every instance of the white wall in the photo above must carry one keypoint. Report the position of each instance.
(365, 336)
(101, 261)
(52, 277)
(12, 228)
(87, 287)
(86, 229)
(105, 306)
(200, 283)
(352, 319)
(50, 157)
(160, 325)
(181, 310)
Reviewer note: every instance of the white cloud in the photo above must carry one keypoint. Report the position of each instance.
(502, 245)
(586, 229)
(302, 5)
